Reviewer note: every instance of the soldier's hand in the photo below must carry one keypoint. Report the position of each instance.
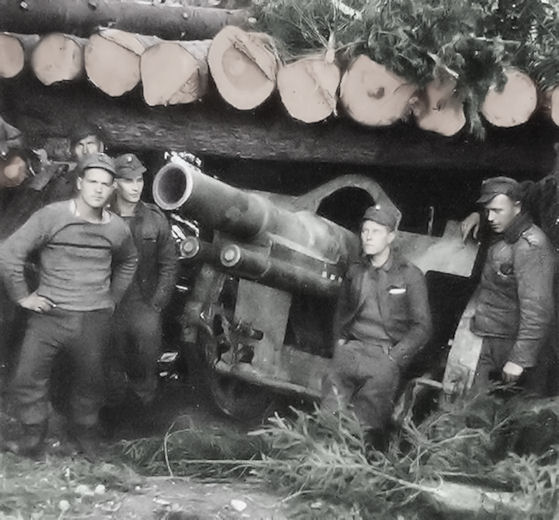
(470, 225)
(36, 303)
(511, 372)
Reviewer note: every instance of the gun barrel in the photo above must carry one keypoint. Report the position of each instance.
(281, 274)
(212, 202)
(247, 216)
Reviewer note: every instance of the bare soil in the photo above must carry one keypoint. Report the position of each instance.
(153, 497)
(187, 499)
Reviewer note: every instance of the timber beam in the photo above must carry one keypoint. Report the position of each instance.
(211, 128)
(82, 17)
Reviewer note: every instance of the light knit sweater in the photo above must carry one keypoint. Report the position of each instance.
(83, 266)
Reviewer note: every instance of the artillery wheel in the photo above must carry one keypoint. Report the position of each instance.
(240, 400)
(235, 398)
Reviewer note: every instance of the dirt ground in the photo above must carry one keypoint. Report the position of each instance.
(187, 499)
(176, 498)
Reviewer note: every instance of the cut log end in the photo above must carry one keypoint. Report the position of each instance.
(243, 67)
(111, 66)
(374, 96)
(174, 72)
(58, 57)
(12, 56)
(13, 172)
(308, 88)
(515, 104)
(554, 105)
(439, 110)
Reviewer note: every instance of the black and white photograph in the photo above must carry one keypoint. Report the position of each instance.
(279, 259)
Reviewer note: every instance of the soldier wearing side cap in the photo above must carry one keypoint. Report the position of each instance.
(514, 304)
(382, 320)
(540, 199)
(87, 260)
(137, 327)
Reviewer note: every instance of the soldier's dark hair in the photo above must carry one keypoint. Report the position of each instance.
(84, 129)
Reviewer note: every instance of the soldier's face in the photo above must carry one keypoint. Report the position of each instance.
(86, 146)
(500, 212)
(130, 190)
(375, 238)
(95, 187)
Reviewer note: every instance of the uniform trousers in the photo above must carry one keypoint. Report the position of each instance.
(84, 336)
(495, 354)
(137, 344)
(362, 377)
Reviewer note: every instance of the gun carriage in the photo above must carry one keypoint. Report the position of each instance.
(261, 309)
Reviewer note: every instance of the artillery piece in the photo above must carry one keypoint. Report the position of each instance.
(260, 312)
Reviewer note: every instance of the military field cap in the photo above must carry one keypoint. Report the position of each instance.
(83, 129)
(384, 214)
(97, 160)
(128, 166)
(494, 186)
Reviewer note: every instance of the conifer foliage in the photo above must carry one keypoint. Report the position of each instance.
(472, 41)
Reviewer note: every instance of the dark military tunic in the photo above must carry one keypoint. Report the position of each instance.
(382, 320)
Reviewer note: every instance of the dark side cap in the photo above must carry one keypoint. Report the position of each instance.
(384, 214)
(494, 186)
(97, 160)
(83, 129)
(128, 166)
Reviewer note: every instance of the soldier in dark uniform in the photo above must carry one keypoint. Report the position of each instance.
(137, 320)
(514, 304)
(540, 199)
(382, 320)
(11, 144)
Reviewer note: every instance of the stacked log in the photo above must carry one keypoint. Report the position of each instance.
(550, 103)
(308, 88)
(514, 104)
(175, 72)
(14, 49)
(438, 109)
(555, 105)
(13, 171)
(246, 70)
(112, 60)
(374, 96)
(58, 57)
(244, 66)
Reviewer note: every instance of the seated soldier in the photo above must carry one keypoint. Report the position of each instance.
(382, 320)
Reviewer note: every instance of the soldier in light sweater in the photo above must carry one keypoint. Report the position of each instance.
(87, 260)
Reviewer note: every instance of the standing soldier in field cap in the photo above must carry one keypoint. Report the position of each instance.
(514, 304)
(137, 327)
(87, 260)
(382, 321)
(540, 199)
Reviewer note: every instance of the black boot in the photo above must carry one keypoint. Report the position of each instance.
(87, 440)
(32, 441)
